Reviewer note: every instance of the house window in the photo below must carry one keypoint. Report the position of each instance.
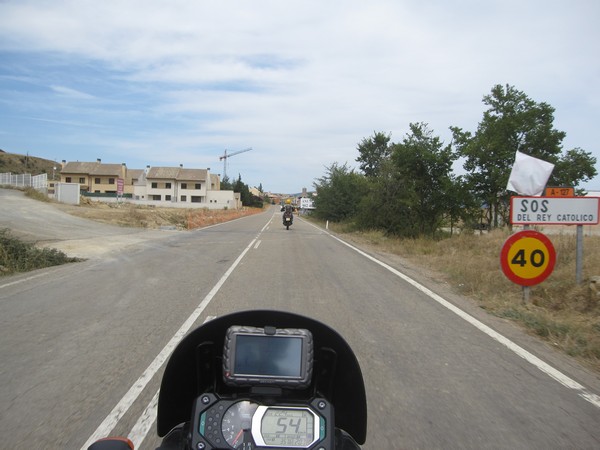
(156, 198)
(168, 185)
(97, 180)
(198, 186)
(154, 185)
(196, 199)
(168, 198)
(82, 181)
(184, 198)
(183, 185)
(67, 179)
(111, 181)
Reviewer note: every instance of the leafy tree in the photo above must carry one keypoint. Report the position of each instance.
(425, 166)
(576, 166)
(413, 191)
(338, 193)
(373, 152)
(513, 122)
(245, 195)
(461, 206)
(387, 205)
(226, 184)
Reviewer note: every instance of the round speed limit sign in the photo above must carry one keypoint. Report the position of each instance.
(527, 257)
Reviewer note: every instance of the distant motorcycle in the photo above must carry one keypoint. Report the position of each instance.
(288, 217)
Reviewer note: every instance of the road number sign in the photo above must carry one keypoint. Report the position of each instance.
(527, 257)
(560, 192)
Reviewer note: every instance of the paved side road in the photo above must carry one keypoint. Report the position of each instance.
(39, 222)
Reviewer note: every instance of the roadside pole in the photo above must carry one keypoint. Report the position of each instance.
(579, 255)
(526, 288)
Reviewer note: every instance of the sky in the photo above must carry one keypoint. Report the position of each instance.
(300, 82)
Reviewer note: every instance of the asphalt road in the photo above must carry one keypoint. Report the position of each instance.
(74, 339)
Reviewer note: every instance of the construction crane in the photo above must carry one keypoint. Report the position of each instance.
(228, 155)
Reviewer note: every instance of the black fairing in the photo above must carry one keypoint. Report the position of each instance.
(195, 368)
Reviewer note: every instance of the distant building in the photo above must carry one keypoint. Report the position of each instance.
(96, 177)
(164, 186)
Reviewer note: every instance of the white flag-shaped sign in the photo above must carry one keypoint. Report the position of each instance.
(529, 175)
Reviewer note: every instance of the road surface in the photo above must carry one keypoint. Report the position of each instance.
(81, 344)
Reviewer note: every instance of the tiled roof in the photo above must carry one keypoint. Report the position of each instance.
(192, 174)
(176, 173)
(107, 169)
(79, 167)
(92, 168)
(161, 173)
(135, 174)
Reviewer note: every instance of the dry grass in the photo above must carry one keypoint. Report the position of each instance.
(130, 215)
(560, 311)
(196, 218)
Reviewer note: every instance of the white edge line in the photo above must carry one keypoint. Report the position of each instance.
(22, 280)
(135, 390)
(520, 351)
(141, 428)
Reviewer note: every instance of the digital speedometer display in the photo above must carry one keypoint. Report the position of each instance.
(287, 427)
(237, 424)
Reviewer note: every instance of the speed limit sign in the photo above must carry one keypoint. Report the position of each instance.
(527, 257)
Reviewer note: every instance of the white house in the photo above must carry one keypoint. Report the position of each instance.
(183, 188)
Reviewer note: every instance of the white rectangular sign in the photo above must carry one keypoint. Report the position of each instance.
(554, 210)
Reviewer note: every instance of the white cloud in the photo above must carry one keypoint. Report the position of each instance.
(72, 93)
(300, 82)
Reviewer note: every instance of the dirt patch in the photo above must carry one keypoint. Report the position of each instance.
(138, 216)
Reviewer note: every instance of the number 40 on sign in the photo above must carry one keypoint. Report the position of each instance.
(527, 257)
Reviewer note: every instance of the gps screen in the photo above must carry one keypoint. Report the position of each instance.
(268, 356)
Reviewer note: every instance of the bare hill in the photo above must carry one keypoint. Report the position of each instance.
(15, 163)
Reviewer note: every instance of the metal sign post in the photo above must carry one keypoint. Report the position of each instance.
(579, 255)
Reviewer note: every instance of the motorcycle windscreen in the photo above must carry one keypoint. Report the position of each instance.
(182, 383)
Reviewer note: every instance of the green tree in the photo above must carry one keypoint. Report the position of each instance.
(413, 191)
(461, 207)
(513, 122)
(339, 192)
(424, 167)
(226, 184)
(387, 205)
(575, 167)
(373, 152)
(245, 195)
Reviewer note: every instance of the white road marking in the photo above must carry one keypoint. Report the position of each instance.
(563, 379)
(136, 389)
(146, 421)
(141, 428)
(24, 279)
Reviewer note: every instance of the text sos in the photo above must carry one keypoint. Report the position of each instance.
(534, 206)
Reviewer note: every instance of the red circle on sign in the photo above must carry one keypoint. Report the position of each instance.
(527, 257)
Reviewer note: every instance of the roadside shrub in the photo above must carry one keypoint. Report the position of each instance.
(19, 256)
